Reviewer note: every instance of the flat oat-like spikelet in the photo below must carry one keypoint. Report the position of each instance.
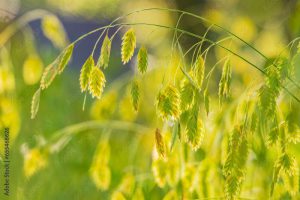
(105, 53)
(135, 94)
(64, 58)
(128, 45)
(97, 82)
(48, 75)
(234, 165)
(194, 129)
(85, 73)
(198, 71)
(168, 102)
(224, 85)
(159, 143)
(187, 93)
(142, 60)
(35, 103)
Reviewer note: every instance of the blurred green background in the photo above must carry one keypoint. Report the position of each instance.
(268, 25)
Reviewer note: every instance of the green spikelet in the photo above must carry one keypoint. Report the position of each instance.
(267, 101)
(194, 128)
(273, 135)
(128, 45)
(292, 183)
(64, 58)
(135, 94)
(35, 103)
(273, 79)
(142, 61)
(48, 76)
(224, 84)
(285, 164)
(276, 172)
(269, 92)
(85, 73)
(198, 71)
(168, 102)
(103, 60)
(97, 82)
(288, 164)
(194, 132)
(187, 93)
(159, 143)
(235, 163)
(206, 101)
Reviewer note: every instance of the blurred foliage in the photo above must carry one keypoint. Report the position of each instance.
(113, 155)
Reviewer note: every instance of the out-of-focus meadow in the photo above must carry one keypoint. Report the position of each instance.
(108, 150)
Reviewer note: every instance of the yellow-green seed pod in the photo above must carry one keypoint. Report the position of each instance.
(97, 82)
(168, 102)
(128, 45)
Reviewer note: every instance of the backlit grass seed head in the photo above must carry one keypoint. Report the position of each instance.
(194, 131)
(159, 143)
(267, 101)
(135, 94)
(168, 102)
(85, 73)
(35, 103)
(233, 168)
(206, 101)
(291, 183)
(273, 79)
(288, 164)
(48, 75)
(105, 53)
(224, 84)
(198, 70)
(97, 82)
(34, 160)
(64, 58)
(142, 60)
(128, 45)
(273, 136)
(187, 93)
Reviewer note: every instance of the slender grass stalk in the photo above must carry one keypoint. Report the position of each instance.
(74, 129)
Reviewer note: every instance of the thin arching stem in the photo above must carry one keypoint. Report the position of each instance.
(215, 25)
(60, 136)
(192, 35)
